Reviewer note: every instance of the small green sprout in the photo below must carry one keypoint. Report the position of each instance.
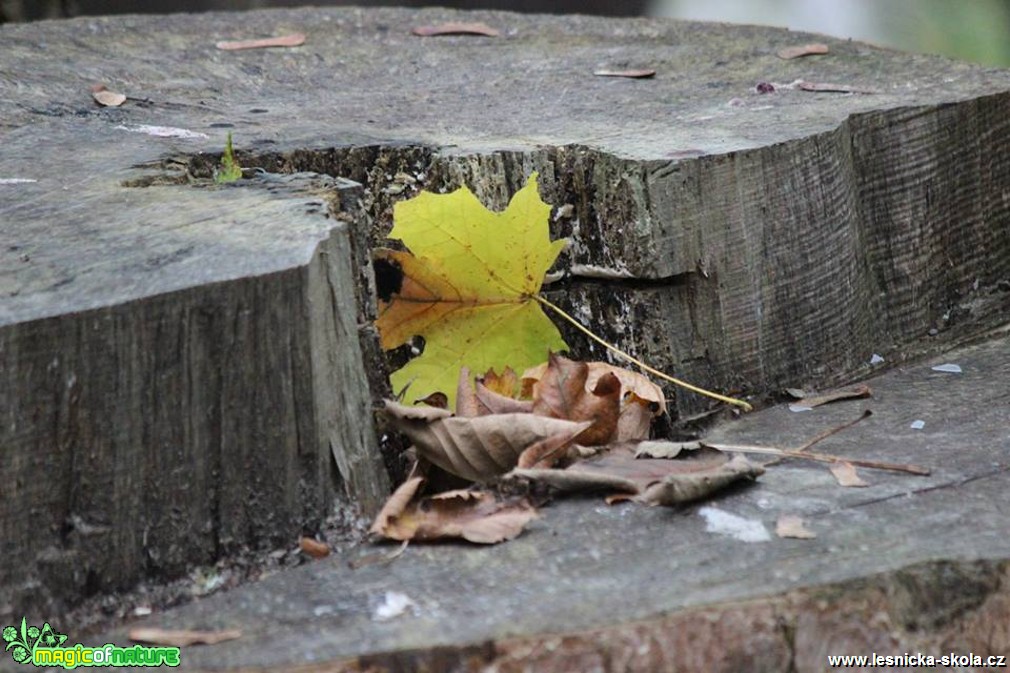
(229, 171)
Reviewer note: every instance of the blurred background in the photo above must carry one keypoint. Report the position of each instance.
(971, 30)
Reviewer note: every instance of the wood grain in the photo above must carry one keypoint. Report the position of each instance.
(178, 363)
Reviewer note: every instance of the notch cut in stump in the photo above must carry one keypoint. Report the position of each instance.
(183, 362)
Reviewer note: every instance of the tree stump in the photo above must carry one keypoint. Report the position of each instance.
(186, 369)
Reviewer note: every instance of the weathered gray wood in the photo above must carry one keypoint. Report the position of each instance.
(767, 239)
(908, 564)
(181, 423)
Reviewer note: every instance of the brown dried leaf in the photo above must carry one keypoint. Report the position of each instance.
(809, 401)
(436, 399)
(631, 382)
(676, 489)
(292, 40)
(563, 393)
(496, 403)
(790, 525)
(802, 50)
(476, 448)
(476, 399)
(506, 383)
(845, 473)
(635, 420)
(456, 28)
(547, 452)
(313, 547)
(642, 73)
(181, 638)
(654, 481)
(467, 404)
(475, 516)
(107, 98)
(396, 504)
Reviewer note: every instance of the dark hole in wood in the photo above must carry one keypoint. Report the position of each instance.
(388, 278)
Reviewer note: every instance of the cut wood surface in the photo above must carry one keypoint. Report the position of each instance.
(908, 564)
(179, 362)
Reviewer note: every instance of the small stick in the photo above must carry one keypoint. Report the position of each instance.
(820, 457)
(823, 435)
(830, 431)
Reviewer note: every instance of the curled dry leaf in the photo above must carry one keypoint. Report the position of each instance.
(676, 489)
(562, 393)
(292, 40)
(475, 516)
(653, 481)
(790, 525)
(396, 503)
(181, 638)
(642, 73)
(476, 398)
(313, 547)
(438, 400)
(456, 28)
(846, 475)
(496, 403)
(477, 448)
(802, 50)
(636, 417)
(107, 98)
(547, 452)
(505, 384)
(641, 399)
(631, 382)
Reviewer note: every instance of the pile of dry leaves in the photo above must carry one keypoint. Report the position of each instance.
(573, 426)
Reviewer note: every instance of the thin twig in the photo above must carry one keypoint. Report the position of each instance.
(820, 457)
(823, 435)
(830, 431)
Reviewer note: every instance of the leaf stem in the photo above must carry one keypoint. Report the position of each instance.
(630, 358)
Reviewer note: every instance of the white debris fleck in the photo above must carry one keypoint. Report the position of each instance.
(602, 272)
(163, 131)
(553, 277)
(948, 368)
(393, 605)
(565, 212)
(16, 181)
(876, 359)
(799, 407)
(724, 523)
(918, 424)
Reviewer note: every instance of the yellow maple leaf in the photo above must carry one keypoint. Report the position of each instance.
(469, 287)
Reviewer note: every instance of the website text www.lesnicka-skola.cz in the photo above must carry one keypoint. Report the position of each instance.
(918, 660)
